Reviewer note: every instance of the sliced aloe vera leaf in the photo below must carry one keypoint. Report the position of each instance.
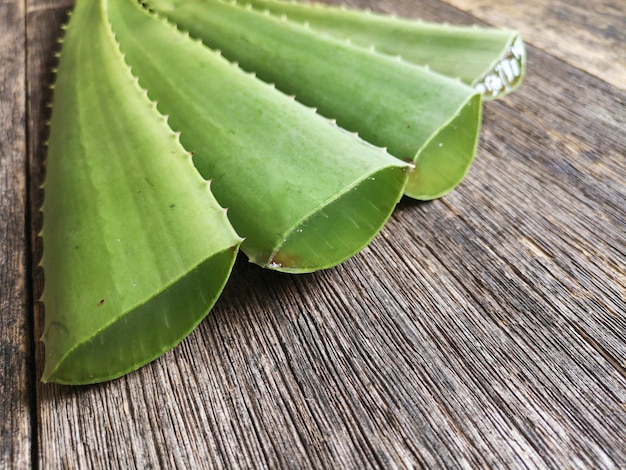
(420, 116)
(305, 194)
(491, 59)
(136, 248)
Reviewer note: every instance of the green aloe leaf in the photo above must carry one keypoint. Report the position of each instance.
(491, 59)
(420, 116)
(136, 249)
(305, 194)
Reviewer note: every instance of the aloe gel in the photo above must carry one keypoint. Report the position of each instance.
(305, 194)
(493, 60)
(136, 248)
(419, 116)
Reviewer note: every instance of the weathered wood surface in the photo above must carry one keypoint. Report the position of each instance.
(16, 361)
(587, 35)
(484, 329)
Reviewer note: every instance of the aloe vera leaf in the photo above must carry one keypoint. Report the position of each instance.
(420, 116)
(305, 194)
(136, 248)
(491, 59)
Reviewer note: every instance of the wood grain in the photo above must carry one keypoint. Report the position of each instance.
(588, 35)
(16, 389)
(485, 329)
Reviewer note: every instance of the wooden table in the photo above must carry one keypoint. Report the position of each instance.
(485, 329)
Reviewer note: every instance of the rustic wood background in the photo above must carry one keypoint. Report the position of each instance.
(485, 329)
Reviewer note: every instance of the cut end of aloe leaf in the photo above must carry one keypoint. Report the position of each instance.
(144, 333)
(446, 158)
(343, 227)
(136, 248)
(507, 74)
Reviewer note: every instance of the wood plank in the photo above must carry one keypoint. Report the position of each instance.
(587, 35)
(573, 160)
(483, 329)
(15, 324)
